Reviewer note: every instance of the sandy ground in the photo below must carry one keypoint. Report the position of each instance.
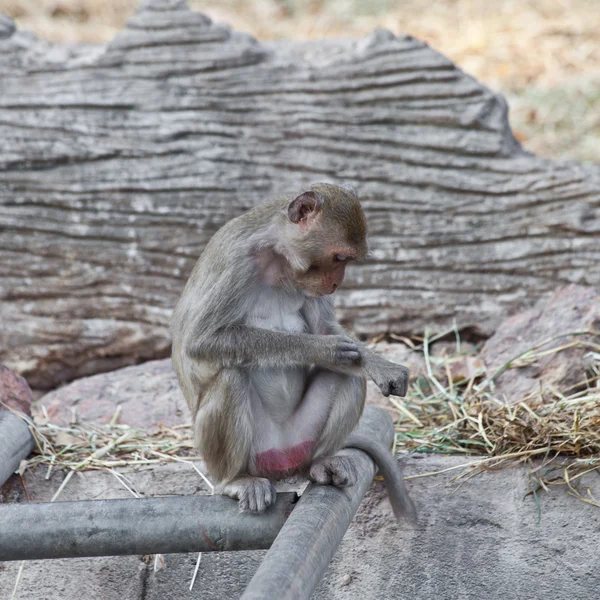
(544, 55)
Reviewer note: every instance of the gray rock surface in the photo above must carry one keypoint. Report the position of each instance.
(118, 163)
(487, 540)
(148, 395)
(570, 309)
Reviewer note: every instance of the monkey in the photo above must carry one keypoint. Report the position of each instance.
(274, 384)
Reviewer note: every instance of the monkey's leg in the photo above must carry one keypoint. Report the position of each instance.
(346, 395)
(224, 430)
(334, 466)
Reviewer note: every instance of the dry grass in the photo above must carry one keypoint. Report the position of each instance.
(449, 414)
(543, 54)
(444, 412)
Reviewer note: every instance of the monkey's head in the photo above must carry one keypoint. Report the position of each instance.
(327, 230)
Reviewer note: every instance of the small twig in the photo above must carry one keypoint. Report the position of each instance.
(24, 487)
(196, 571)
(62, 486)
(18, 580)
(115, 417)
(121, 479)
(188, 462)
(159, 562)
(52, 459)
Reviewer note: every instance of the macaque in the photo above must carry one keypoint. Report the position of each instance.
(274, 384)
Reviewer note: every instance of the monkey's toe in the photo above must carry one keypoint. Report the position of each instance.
(336, 470)
(258, 494)
(319, 474)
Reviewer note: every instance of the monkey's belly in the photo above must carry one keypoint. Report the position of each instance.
(279, 391)
(284, 438)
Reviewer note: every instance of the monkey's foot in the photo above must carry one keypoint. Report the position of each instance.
(255, 494)
(337, 470)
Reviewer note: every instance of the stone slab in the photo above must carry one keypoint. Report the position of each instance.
(487, 540)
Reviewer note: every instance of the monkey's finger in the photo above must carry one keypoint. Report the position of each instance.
(261, 500)
(385, 388)
(272, 494)
(348, 347)
(340, 478)
(404, 386)
(349, 358)
(243, 502)
(252, 500)
(268, 496)
(261, 490)
(319, 474)
(342, 472)
(399, 388)
(354, 356)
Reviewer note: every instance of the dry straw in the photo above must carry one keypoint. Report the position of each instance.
(559, 428)
(441, 413)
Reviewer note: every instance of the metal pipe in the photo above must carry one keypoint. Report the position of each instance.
(299, 556)
(15, 443)
(136, 526)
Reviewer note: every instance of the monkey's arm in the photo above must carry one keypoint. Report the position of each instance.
(390, 377)
(210, 316)
(209, 319)
(253, 346)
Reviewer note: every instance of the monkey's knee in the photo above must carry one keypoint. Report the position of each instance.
(347, 403)
(255, 494)
(349, 400)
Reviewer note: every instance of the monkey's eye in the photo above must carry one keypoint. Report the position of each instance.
(340, 258)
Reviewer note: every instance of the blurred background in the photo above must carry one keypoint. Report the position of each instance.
(543, 55)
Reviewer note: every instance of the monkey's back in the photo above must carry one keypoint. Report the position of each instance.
(227, 254)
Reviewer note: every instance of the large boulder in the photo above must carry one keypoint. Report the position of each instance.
(144, 395)
(119, 162)
(564, 334)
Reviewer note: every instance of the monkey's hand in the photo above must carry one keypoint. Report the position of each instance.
(341, 351)
(389, 377)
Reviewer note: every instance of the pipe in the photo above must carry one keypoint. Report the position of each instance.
(16, 443)
(136, 526)
(300, 555)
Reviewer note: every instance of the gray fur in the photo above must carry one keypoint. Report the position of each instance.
(402, 505)
(263, 363)
(335, 470)
(255, 494)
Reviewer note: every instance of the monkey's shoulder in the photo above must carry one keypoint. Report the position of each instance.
(228, 251)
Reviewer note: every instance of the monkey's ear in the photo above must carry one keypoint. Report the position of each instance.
(350, 189)
(305, 206)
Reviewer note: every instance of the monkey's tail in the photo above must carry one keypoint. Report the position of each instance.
(389, 468)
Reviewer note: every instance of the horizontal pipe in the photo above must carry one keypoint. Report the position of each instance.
(299, 556)
(136, 526)
(16, 443)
